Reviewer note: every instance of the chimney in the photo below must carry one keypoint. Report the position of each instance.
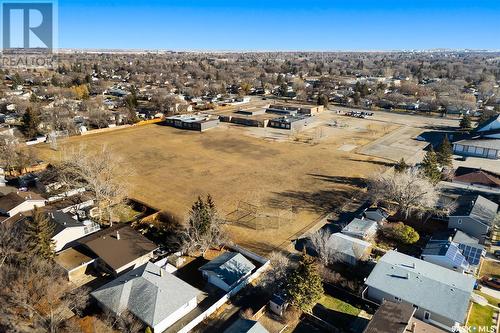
(413, 327)
(161, 272)
(117, 235)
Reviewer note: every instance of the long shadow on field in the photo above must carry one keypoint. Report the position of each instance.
(352, 181)
(240, 147)
(323, 201)
(382, 163)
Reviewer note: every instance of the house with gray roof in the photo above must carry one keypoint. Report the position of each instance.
(474, 215)
(347, 249)
(246, 326)
(227, 270)
(361, 228)
(155, 297)
(376, 214)
(440, 296)
(445, 254)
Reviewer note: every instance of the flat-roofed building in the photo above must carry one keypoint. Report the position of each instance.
(192, 122)
(296, 109)
(294, 123)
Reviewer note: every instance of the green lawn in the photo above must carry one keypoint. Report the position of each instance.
(338, 305)
(480, 316)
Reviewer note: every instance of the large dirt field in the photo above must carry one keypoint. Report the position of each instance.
(171, 167)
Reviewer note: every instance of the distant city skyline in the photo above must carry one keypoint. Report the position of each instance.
(316, 25)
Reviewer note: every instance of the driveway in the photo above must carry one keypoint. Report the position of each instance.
(490, 291)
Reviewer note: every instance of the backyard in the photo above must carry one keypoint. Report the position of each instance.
(168, 168)
(481, 316)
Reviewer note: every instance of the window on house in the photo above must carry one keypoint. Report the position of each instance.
(460, 221)
(427, 315)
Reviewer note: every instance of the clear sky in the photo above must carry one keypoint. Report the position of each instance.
(320, 25)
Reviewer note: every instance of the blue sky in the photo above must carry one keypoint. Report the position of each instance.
(320, 25)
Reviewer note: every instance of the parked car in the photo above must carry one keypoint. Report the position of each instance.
(497, 254)
(491, 282)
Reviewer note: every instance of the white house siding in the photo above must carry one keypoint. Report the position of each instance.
(26, 207)
(178, 314)
(68, 235)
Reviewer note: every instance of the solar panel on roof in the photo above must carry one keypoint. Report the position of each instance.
(471, 254)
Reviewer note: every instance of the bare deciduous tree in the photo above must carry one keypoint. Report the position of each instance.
(319, 243)
(276, 275)
(8, 152)
(409, 192)
(101, 173)
(36, 294)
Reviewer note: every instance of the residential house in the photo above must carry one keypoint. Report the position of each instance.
(376, 214)
(477, 177)
(227, 270)
(395, 317)
(474, 215)
(246, 326)
(361, 228)
(440, 296)
(391, 317)
(348, 249)
(490, 128)
(12, 220)
(20, 202)
(68, 229)
(470, 247)
(484, 141)
(76, 261)
(445, 254)
(152, 295)
(119, 248)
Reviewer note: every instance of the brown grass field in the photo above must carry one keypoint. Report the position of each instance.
(171, 167)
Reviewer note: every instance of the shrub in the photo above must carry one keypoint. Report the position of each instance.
(402, 233)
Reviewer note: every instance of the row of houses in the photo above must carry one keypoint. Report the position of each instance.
(125, 266)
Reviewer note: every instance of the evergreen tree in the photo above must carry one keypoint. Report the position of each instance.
(401, 165)
(323, 100)
(31, 121)
(430, 166)
(465, 122)
(304, 287)
(201, 214)
(39, 236)
(444, 154)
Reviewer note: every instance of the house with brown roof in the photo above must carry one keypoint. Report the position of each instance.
(119, 248)
(19, 202)
(477, 177)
